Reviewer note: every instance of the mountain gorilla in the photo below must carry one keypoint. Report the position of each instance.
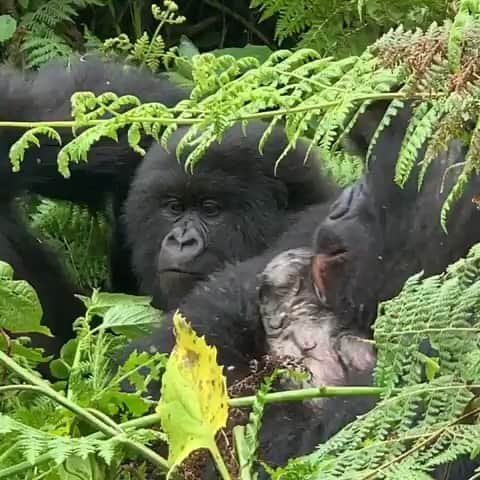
(367, 243)
(181, 226)
(185, 226)
(365, 246)
(45, 96)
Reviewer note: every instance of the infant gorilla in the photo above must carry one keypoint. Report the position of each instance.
(296, 324)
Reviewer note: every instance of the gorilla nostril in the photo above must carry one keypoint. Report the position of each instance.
(187, 242)
(181, 246)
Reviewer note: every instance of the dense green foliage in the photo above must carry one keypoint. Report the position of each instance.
(312, 95)
(343, 28)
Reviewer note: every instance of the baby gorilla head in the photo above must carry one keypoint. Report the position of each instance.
(298, 323)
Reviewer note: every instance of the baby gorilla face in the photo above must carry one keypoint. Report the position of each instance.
(299, 325)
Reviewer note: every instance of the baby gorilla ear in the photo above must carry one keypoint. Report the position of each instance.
(326, 269)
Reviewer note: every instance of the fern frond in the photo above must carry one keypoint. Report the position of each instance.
(146, 50)
(80, 238)
(18, 149)
(50, 13)
(32, 443)
(471, 166)
(420, 127)
(40, 50)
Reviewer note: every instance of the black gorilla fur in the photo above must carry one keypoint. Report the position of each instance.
(46, 96)
(184, 226)
(373, 237)
(181, 226)
(366, 245)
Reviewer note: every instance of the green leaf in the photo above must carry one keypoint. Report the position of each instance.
(132, 320)
(20, 309)
(134, 370)
(8, 25)
(77, 468)
(260, 52)
(100, 302)
(60, 367)
(431, 365)
(18, 347)
(112, 402)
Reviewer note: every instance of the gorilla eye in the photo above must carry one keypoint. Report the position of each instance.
(174, 206)
(211, 208)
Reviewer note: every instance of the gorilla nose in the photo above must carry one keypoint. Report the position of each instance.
(183, 245)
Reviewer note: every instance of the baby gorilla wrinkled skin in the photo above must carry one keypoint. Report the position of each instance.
(298, 324)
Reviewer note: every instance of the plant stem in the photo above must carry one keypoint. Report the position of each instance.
(142, 422)
(222, 468)
(193, 121)
(44, 388)
(307, 393)
(242, 451)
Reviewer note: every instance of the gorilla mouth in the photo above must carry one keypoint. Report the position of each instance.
(179, 271)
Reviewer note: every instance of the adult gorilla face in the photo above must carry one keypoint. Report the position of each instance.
(183, 226)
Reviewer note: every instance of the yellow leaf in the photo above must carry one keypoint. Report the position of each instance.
(193, 405)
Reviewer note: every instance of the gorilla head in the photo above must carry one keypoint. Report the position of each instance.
(298, 323)
(184, 225)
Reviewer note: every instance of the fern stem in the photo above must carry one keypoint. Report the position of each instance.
(306, 393)
(435, 435)
(242, 452)
(154, 419)
(193, 121)
(106, 419)
(222, 468)
(42, 387)
(93, 123)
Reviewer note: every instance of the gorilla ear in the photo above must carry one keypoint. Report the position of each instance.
(361, 134)
(324, 269)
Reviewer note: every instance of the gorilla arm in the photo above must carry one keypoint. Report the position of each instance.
(45, 96)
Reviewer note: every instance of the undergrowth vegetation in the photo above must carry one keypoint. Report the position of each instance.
(427, 416)
(86, 425)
